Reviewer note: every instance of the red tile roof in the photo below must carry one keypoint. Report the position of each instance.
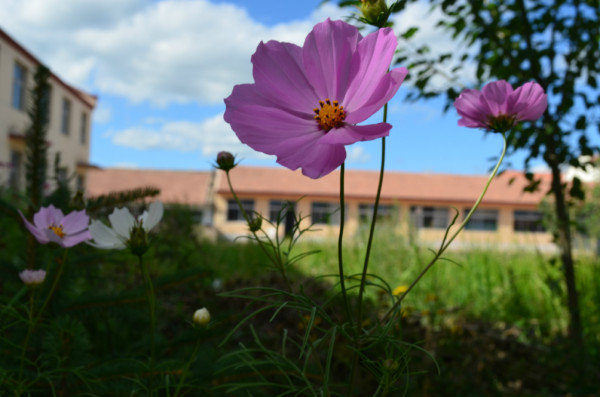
(189, 187)
(180, 187)
(414, 187)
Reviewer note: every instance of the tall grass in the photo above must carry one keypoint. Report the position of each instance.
(522, 288)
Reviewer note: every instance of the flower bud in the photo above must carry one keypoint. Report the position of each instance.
(375, 12)
(255, 224)
(33, 278)
(138, 241)
(225, 161)
(201, 317)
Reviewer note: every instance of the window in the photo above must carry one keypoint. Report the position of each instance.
(83, 128)
(235, 214)
(385, 212)
(482, 219)
(276, 209)
(66, 117)
(325, 213)
(19, 86)
(528, 221)
(16, 159)
(430, 217)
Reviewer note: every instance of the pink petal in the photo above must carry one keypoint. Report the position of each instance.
(473, 110)
(316, 161)
(270, 130)
(279, 76)
(75, 221)
(38, 233)
(369, 65)
(528, 102)
(327, 56)
(349, 134)
(74, 239)
(496, 94)
(379, 96)
(48, 216)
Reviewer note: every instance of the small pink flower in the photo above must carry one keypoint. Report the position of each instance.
(306, 101)
(51, 225)
(498, 107)
(33, 278)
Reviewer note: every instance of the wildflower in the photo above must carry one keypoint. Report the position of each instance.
(498, 107)
(399, 290)
(126, 231)
(51, 225)
(33, 278)
(201, 317)
(225, 161)
(306, 101)
(375, 11)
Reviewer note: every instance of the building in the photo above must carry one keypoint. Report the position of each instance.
(418, 206)
(70, 115)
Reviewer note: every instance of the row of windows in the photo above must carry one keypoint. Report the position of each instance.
(19, 92)
(421, 217)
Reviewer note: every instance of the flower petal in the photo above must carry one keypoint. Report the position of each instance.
(349, 134)
(48, 216)
(73, 239)
(528, 102)
(270, 130)
(75, 221)
(152, 216)
(379, 96)
(474, 112)
(327, 56)
(122, 222)
(370, 64)
(38, 233)
(495, 95)
(279, 76)
(315, 160)
(104, 237)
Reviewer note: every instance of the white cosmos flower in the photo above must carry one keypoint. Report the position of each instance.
(123, 223)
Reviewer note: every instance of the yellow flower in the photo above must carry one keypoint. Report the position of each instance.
(399, 290)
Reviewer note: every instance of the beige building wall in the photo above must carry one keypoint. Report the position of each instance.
(69, 132)
(503, 237)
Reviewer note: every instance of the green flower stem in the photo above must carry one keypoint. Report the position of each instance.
(446, 243)
(363, 277)
(275, 259)
(149, 288)
(340, 243)
(186, 369)
(33, 320)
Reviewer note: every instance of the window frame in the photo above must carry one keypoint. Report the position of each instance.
(480, 220)
(234, 214)
(532, 218)
(19, 87)
(430, 217)
(65, 120)
(325, 213)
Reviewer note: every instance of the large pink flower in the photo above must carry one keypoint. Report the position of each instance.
(51, 225)
(306, 101)
(498, 107)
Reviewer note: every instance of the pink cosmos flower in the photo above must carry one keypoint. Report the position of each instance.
(306, 101)
(498, 107)
(33, 278)
(51, 225)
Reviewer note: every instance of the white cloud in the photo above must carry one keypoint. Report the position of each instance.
(161, 52)
(439, 41)
(208, 137)
(357, 154)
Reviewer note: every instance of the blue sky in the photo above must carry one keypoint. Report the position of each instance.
(162, 68)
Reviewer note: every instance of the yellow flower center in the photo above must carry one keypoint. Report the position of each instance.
(58, 230)
(329, 114)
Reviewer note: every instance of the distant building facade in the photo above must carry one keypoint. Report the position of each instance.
(70, 116)
(416, 206)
